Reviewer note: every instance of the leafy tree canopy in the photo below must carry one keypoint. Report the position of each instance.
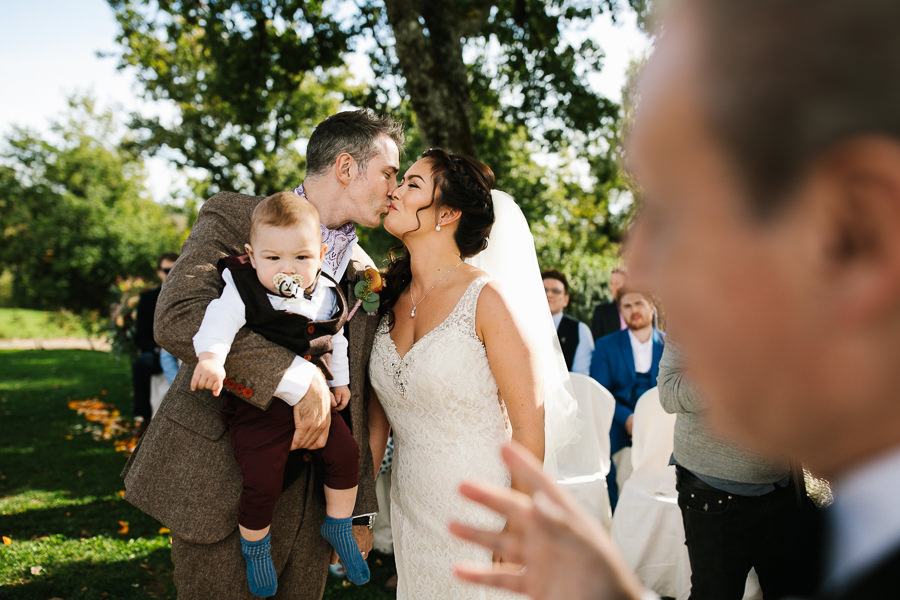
(76, 213)
(247, 81)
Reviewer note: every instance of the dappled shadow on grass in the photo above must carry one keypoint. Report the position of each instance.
(149, 577)
(80, 466)
(80, 520)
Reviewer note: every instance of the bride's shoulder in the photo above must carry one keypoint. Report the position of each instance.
(475, 277)
(490, 295)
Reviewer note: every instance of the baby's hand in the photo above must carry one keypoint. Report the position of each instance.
(341, 394)
(209, 373)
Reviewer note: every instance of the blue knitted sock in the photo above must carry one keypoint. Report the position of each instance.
(339, 533)
(260, 570)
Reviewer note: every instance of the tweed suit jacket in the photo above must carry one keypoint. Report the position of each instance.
(183, 472)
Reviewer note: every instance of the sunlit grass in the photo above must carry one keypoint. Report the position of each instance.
(26, 323)
(70, 533)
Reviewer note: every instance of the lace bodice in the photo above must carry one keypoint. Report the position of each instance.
(448, 423)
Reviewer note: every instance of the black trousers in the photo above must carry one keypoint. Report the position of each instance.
(143, 368)
(726, 535)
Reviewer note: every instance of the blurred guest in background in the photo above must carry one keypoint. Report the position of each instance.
(627, 363)
(606, 317)
(146, 365)
(574, 336)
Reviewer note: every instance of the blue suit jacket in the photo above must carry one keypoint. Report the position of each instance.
(613, 367)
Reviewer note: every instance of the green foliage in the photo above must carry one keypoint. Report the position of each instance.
(529, 100)
(76, 214)
(246, 80)
(121, 329)
(59, 490)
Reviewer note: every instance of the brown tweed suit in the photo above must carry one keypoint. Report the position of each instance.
(183, 473)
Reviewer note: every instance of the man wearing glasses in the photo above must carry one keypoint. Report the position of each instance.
(575, 337)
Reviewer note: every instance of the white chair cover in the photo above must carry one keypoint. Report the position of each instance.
(647, 524)
(653, 434)
(583, 465)
(159, 385)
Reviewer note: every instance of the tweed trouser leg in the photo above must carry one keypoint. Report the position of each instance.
(300, 554)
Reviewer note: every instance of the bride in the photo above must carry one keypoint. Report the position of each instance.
(453, 369)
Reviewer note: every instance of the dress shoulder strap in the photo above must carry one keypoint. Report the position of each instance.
(464, 313)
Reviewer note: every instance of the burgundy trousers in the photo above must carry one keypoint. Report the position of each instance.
(261, 441)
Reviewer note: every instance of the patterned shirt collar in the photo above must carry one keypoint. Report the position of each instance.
(340, 244)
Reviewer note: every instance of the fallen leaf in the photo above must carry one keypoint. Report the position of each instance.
(164, 530)
(7, 541)
(121, 493)
(123, 527)
(36, 570)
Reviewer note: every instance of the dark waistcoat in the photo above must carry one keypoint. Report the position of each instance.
(306, 337)
(567, 332)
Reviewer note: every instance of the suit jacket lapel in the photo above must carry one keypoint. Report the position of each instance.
(657, 354)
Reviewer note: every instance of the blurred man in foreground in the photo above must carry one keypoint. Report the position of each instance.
(767, 146)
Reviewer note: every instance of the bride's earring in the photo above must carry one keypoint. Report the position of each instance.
(438, 226)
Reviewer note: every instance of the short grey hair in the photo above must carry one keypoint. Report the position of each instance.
(353, 132)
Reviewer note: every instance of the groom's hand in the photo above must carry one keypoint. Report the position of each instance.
(312, 415)
(364, 539)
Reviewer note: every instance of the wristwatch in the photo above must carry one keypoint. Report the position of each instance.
(366, 520)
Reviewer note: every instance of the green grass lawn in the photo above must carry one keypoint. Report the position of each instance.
(60, 507)
(27, 323)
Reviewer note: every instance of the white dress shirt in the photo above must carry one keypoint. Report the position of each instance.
(227, 314)
(643, 353)
(864, 520)
(581, 363)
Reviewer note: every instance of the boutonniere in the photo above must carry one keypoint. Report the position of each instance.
(366, 292)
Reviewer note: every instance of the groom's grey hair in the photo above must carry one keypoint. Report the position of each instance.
(353, 132)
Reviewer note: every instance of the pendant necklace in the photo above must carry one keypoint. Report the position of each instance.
(412, 313)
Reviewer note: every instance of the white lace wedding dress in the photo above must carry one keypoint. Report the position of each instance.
(448, 423)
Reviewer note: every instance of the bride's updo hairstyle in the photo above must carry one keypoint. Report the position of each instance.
(460, 182)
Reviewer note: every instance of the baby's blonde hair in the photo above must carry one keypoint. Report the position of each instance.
(283, 209)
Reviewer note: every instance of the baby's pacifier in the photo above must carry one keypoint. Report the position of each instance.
(290, 286)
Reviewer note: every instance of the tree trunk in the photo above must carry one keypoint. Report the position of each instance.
(429, 50)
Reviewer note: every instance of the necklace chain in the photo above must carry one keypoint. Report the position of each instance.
(415, 304)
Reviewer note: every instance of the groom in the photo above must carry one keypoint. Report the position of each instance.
(183, 473)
